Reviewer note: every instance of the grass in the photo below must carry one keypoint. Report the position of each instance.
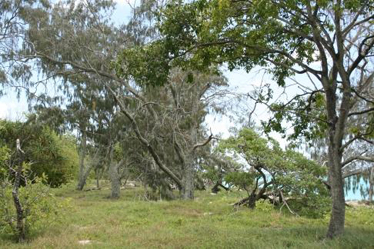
(207, 222)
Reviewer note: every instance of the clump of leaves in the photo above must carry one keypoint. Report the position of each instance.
(284, 177)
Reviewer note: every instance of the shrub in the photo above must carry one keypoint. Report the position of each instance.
(50, 154)
(38, 207)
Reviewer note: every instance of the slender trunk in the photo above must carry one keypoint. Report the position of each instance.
(98, 173)
(82, 155)
(115, 181)
(17, 203)
(371, 184)
(97, 181)
(83, 179)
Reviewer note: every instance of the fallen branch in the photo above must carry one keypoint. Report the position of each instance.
(286, 204)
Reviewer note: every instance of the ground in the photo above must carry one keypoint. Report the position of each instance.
(210, 221)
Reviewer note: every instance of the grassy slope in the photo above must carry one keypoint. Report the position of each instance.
(208, 222)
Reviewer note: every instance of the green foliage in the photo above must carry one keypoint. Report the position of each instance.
(243, 180)
(4, 156)
(48, 154)
(147, 65)
(277, 170)
(278, 36)
(41, 209)
(264, 206)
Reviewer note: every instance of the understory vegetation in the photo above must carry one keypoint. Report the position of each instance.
(210, 221)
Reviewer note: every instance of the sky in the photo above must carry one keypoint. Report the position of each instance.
(239, 81)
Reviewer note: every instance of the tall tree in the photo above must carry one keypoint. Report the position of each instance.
(331, 42)
(75, 44)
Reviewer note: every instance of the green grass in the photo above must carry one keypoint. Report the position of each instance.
(207, 222)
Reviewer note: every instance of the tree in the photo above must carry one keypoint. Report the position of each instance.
(15, 71)
(329, 41)
(270, 172)
(73, 44)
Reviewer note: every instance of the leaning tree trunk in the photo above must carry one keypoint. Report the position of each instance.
(83, 179)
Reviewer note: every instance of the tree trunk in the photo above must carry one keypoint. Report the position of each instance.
(336, 226)
(216, 187)
(82, 155)
(252, 200)
(83, 178)
(115, 181)
(371, 184)
(188, 181)
(336, 133)
(97, 182)
(98, 173)
(17, 203)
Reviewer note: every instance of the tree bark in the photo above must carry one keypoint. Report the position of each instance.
(82, 155)
(216, 187)
(17, 203)
(115, 180)
(98, 173)
(252, 200)
(188, 181)
(83, 178)
(371, 184)
(336, 226)
(335, 140)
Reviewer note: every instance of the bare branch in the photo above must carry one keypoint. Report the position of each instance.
(203, 143)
